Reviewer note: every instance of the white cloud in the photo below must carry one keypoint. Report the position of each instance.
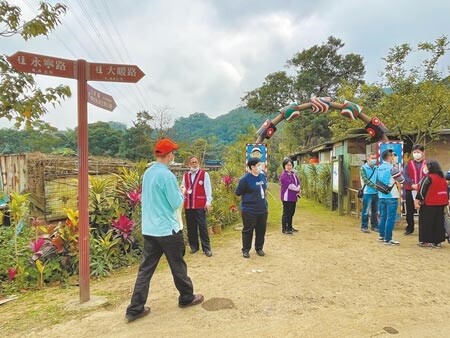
(202, 56)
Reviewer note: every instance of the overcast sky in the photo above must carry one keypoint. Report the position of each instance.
(204, 55)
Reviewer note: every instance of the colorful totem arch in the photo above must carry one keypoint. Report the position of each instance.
(374, 127)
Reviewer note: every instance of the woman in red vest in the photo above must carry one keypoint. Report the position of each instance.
(432, 198)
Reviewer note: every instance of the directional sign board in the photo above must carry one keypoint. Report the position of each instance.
(42, 64)
(82, 71)
(114, 73)
(100, 99)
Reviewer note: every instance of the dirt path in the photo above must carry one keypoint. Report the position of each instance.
(328, 280)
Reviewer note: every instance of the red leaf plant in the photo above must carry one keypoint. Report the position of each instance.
(12, 272)
(135, 197)
(124, 226)
(36, 244)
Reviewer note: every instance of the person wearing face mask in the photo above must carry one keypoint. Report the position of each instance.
(252, 189)
(432, 198)
(197, 202)
(368, 175)
(162, 232)
(289, 192)
(413, 172)
(390, 175)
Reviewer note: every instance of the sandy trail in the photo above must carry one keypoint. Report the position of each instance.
(328, 280)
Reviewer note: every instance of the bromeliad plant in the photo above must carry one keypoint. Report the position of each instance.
(224, 210)
(123, 227)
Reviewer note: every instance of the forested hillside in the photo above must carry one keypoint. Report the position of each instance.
(116, 140)
(225, 127)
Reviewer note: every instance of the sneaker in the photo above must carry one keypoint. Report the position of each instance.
(374, 229)
(132, 318)
(424, 245)
(245, 254)
(392, 242)
(381, 239)
(288, 232)
(365, 230)
(436, 245)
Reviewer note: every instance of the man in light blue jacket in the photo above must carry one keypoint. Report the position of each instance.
(388, 203)
(162, 231)
(368, 174)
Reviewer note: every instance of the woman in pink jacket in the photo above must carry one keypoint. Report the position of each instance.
(290, 192)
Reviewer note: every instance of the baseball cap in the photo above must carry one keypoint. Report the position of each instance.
(165, 146)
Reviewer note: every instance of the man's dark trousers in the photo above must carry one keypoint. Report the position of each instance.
(174, 249)
(196, 223)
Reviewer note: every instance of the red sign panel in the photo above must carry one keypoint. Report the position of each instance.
(114, 72)
(42, 65)
(100, 99)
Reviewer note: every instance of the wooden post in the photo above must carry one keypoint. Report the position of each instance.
(83, 184)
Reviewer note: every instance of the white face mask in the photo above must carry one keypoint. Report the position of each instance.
(417, 156)
(372, 162)
(193, 170)
(259, 169)
(425, 170)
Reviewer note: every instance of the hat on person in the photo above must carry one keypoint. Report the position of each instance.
(256, 149)
(165, 146)
(385, 153)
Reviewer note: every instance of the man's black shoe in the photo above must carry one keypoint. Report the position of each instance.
(245, 254)
(208, 253)
(132, 318)
(193, 251)
(406, 233)
(198, 298)
(260, 252)
(294, 229)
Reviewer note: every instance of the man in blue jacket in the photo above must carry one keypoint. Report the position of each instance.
(162, 231)
(368, 174)
(388, 202)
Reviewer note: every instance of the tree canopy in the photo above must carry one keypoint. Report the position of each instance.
(21, 100)
(318, 71)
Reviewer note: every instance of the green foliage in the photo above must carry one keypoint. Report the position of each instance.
(316, 182)
(225, 204)
(104, 253)
(101, 203)
(43, 23)
(20, 99)
(223, 129)
(414, 103)
(420, 96)
(137, 140)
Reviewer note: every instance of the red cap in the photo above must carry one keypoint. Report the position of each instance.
(165, 146)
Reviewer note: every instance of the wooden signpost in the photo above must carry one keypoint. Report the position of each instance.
(100, 99)
(82, 71)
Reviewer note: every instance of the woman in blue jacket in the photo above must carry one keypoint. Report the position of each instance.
(252, 187)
